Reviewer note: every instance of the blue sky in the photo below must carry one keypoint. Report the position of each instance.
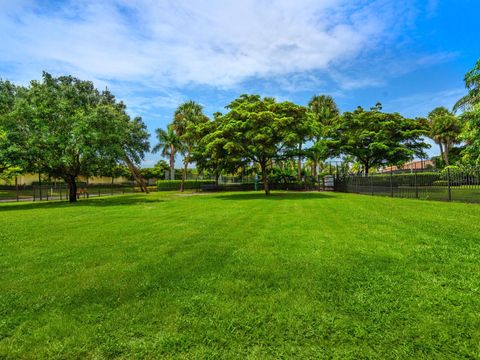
(410, 55)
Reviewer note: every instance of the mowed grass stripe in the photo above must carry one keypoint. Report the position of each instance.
(238, 275)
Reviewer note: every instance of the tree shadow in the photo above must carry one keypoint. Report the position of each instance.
(274, 196)
(119, 200)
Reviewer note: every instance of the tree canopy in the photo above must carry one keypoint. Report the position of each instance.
(445, 129)
(258, 130)
(63, 127)
(376, 138)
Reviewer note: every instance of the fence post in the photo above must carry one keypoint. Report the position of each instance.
(371, 184)
(16, 187)
(416, 185)
(40, 186)
(33, 187)
(391, 183)
(449, 187)
(60, 188)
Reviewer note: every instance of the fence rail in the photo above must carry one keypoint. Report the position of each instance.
(60, 191)
(447, 185)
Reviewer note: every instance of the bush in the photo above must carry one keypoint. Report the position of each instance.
(230, 187)
(168, 185)
(440, 183)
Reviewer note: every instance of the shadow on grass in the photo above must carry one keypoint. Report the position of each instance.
(274, 196)
(118, 200)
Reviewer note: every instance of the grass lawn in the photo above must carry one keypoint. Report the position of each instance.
(12, 194)
(238, 275)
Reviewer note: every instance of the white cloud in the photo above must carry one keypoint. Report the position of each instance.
(420, 104)
(176, 43)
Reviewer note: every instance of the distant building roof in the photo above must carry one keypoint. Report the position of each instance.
(412, 165)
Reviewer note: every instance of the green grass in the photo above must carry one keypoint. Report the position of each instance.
(12, 194)
(238, 275)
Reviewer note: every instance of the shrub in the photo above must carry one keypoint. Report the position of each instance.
(168, 185)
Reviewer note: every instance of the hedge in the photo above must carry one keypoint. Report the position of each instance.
(168, 185)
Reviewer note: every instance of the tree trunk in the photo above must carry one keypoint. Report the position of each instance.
(266, 187)
(445, 153)
(184, 175)
(367, 168)
(442, 156)
(136, 175)
(72, 187)
(299, 165)
(172, 162)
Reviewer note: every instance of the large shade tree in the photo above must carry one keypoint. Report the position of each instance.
(12, 144)
(210, 155)
(375, 138)
(258, 130)
(67, 128)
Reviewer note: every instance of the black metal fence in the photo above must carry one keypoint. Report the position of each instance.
(448, 185)
(60, 191)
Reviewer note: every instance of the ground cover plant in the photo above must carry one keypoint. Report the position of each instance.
(240, 275)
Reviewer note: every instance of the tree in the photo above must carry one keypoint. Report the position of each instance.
(444, 129)
(210, 154)
(472, 83)
(168, 145)
(156, 172)
(316, 153)
(186, 123)
(470, 118)
(324, 112)
(12, 149)
(68, 128)
(258, 130)
(471, 135)
(375, 138)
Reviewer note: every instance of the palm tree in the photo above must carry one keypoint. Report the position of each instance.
(472, 83)
(445, 129)
(187, 118)
(316, 153)
(324, 111)
(168, 145)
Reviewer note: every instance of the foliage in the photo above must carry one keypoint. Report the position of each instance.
(472, 83)
(188, 124)
(168, 185)
(168, 144)
(156, 172)
(258, 130)
(210, 154)
(11, 144)
(117, 171)
(325, 112)
(445, 129)
(279, 176)
(66, 128)
(375, 138)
